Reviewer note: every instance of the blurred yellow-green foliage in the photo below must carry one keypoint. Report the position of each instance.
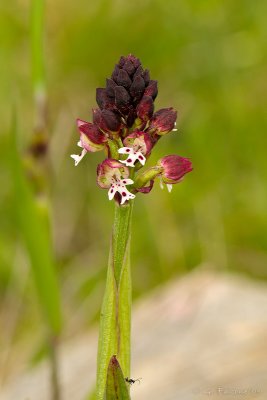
(210, 60)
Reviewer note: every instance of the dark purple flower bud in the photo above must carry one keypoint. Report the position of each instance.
(129, 67)
(139, 141)
(136, 62)
(174, 168)
(131, 116)
(103, 100)
(163, 121)
(112, 120)
(123, 79)
(145, 108)
(146, 76)
(139, 71)
(122, 98)
(115, 73)
(137, 88)
(92, 139)
(110, 86)
(97, 117)
(152, 89)
(106, 120)
(122, 61)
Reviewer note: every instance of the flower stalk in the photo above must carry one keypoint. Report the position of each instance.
(115, 319)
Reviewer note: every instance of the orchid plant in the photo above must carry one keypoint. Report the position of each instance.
(127, 129)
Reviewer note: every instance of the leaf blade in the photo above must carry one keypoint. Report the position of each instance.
(34, 228)
(116, 388)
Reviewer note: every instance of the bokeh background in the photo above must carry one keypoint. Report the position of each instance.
(209, 58)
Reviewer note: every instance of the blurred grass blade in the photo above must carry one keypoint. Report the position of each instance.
(116, 388)
(34, 227)
(37, 29)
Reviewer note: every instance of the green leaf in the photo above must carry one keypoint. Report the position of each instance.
(116, 388)
(107, 343)
(33, 224)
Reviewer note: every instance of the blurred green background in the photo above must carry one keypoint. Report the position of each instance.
(209, 58)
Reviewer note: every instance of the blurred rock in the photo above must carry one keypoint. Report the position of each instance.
(200, 337)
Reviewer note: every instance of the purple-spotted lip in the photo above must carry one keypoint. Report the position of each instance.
(119, 187)
(133, 156)
(135, 152)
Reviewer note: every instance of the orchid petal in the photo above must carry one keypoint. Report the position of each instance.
(111, 192)
(125, 150)
(78, 157)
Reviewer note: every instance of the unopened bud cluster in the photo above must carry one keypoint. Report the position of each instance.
(126, 128)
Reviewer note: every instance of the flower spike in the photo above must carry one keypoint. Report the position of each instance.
(127, 128)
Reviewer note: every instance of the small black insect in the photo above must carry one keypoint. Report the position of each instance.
(132, 381)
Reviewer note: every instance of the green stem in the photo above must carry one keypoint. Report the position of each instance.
(120, 238)
(115, 319)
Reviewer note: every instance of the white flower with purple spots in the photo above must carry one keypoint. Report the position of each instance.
(133, 156)
(119, 186)
(113, 175)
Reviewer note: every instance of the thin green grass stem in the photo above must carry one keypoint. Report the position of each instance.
(53, 353)
(37, 45)
(40, 128)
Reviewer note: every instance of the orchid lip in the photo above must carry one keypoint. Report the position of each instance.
(119, 186)
(133, 156)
